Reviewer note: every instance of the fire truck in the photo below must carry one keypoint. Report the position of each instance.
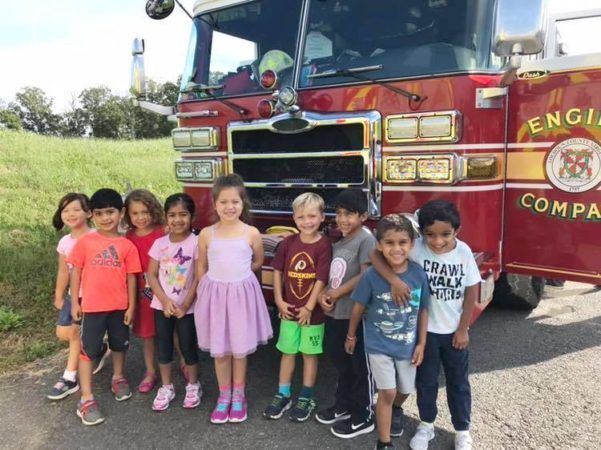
(472, 101)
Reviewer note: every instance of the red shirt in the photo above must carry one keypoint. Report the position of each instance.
(301, 266)
(105, 261)
(143, 244)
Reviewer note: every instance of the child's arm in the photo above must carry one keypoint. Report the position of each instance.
(62, 282)
(351, 335)
(422, 332)
(202, 263)
(75, 283)
(401, 294)
(169, 307)
(283, 307)
(461, 337)
(257, 246)
(132, 294)
(304, 313)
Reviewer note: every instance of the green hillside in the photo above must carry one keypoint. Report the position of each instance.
(35, 172)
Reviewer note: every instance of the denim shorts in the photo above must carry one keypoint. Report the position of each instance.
(64, 315)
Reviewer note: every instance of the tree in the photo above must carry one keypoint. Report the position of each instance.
(34, 109)
(10, 120)
(147, 125)
(104, 114)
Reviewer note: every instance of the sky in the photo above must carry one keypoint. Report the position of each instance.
(65, 46)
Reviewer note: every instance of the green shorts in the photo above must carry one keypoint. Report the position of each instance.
(307, 339)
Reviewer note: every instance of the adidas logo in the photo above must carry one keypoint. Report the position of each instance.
(107, 258)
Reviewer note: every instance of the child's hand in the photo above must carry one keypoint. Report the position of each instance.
(59, 301)
(304, 315)
(180, 312)
(461, 339)
(418, 355)
(128, 318)
(401, 294)
(284, 310)
(75, 310)
(169, 309)
(325, 302)
(349, 344)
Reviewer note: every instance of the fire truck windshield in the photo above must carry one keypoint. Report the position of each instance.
(231, 47)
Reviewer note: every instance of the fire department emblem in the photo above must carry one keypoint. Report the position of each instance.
(574, 165)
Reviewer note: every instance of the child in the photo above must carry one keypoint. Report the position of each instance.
(454, 277)
(171, 276)
(301, 265)
(74, 212)
(352, 412)
(104, 265)
(230, 313)
(144, 221)
(395, 336)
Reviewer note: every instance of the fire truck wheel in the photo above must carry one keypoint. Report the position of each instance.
(521, 292)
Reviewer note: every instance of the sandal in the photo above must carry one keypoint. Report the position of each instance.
(147, 383)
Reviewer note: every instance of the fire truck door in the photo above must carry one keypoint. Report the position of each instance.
(552, 205)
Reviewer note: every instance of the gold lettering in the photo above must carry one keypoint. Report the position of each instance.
(553, 120)
(559, 209)
(593, 212)
(589, 116)
(526, 200)
(541, 204)
(573, 117)
(535, 126)
(577, 209)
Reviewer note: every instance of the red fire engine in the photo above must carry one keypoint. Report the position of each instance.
(467, 100)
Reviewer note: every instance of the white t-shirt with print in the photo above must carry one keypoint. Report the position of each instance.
(448, 275)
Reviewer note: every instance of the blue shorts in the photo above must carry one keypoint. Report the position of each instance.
(64, 315)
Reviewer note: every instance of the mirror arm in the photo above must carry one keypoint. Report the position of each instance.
(184, 9)
(514, 63)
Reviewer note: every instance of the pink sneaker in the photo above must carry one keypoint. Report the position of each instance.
(193, 395)
(238, 409)
(163, 398)
(147, 383)
(220, 413)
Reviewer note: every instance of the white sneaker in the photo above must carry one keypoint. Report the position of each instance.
(423, 435)
(164, 396)
(463, 440)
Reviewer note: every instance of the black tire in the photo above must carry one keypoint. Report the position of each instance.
(521, 292)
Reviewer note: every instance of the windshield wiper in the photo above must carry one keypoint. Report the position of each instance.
(192, 87)
(354, 72)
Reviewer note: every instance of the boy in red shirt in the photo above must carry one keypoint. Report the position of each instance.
(105, 265)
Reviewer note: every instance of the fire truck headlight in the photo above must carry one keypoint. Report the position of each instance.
(401, 128)
(287, 96)
(184, 171)
(435, 126)
(181, 138)
(201, 138)
(401, 170)
(436, 169)
(203, 171)
(481, 167)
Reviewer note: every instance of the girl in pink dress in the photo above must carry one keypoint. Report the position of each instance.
(230, 313)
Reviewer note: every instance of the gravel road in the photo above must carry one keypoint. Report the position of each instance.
(536, 383)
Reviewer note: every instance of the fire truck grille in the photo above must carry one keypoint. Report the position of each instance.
(280, 199)
(338, 170)
(324, 138)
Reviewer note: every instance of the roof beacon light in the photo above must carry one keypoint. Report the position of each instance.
(265, 108)
(268, 79)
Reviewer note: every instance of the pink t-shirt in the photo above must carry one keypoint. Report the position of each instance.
(64, 247)
(177, 262)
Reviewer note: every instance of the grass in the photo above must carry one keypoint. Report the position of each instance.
(35, 172)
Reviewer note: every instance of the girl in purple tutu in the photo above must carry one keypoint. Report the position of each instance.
(230, 313)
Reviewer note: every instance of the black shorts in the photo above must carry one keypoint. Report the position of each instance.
(93, 327)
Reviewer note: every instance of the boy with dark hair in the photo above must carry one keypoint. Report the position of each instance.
(352, 412)
(454, 277)
(395, 336)
(105, 265)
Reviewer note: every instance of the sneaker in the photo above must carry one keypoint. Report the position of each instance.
(164, 396)
(423, 435)
(302, 409)
(102, 359)
(89, 413)
(396, 425)
(147, 383)
(221, 412)
(121, 390)
(62, 389)
(463, 440)
(331, 415)
(238, 409)
(348, 430)
(388, 446)
(193, 394)
(279, 404)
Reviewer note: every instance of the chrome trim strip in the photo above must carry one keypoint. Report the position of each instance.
(530, 145)
(443, 147)
(203, 113)
(480, 188)
(529, 186)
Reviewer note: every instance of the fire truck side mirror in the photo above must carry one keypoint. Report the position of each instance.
(159, 9)
(520, 27)
(138, 76)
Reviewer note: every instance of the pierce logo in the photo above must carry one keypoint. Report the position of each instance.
(574, 165)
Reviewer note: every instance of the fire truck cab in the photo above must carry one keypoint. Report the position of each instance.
(410, 101)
